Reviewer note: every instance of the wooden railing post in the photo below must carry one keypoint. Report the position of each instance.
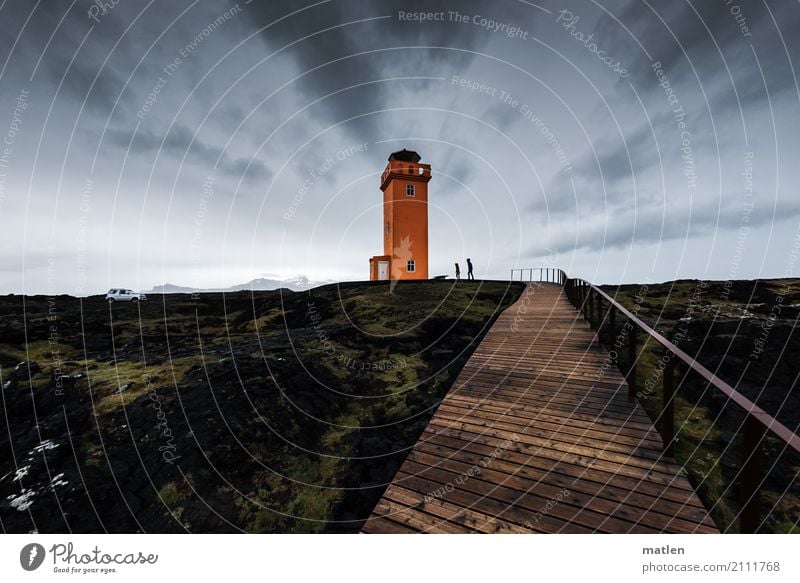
(587, 302)
(587, 292)
(631, 375)
(583, 299)
(599, 314)
(757, 422)
(612, 336)
(753, 434)
(612, 339)
(668, 408)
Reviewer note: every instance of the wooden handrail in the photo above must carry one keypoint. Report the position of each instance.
(543, 275)
(769, 422)
(587, 299)
(757, 421)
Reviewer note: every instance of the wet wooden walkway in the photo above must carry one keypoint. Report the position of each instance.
(532, 437)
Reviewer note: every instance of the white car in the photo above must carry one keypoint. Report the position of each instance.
(124, 295)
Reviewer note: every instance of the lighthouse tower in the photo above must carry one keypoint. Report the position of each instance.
(404, 183)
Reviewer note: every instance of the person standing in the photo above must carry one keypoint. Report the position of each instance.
(458, 273)
(469, 269)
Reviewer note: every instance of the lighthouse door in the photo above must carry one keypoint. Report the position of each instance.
(383, 270)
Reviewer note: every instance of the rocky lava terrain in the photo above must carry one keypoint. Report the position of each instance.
(747, 333)
(259, 412)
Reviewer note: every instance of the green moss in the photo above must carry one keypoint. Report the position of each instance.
(304, 429)
(709, 452)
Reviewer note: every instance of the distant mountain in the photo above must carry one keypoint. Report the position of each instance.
(299, 283)
(168, 288)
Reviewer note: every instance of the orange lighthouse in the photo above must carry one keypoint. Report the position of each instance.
(404, 183)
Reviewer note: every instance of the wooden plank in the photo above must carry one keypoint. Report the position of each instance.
(540, 485)
(518, 500)
(415, 519)
(380, 525)
(643, 460)
(537, 397)
(564, 424)
(547, 413)
(594, 478)
(545, 451)
(514, 514)
(530, 418)
(477, 521)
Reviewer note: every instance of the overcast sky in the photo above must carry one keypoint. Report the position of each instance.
(207, 143)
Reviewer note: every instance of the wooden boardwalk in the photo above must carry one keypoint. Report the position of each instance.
(532, 438)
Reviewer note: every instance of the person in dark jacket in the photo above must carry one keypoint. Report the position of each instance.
(469, 269)
(458, 273)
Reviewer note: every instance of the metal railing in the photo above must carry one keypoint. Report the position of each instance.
(601, 309)
(540, 274)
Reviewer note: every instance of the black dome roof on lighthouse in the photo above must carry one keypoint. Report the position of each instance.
(405, 156)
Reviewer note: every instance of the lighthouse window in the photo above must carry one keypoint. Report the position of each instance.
(412, 266)
(409, 190)
(387, 227)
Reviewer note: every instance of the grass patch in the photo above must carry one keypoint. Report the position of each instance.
(718, 323)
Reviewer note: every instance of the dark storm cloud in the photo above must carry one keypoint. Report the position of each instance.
(500, 116)
(341, 42)
(621, 158)
(544, 205)
(182, 141)
(632, 153)
(252, 169)
(653, 223)
(708, 39)
(179, 141)
(52, 46)
(459, 167)
(700, 42)
(96, 89)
